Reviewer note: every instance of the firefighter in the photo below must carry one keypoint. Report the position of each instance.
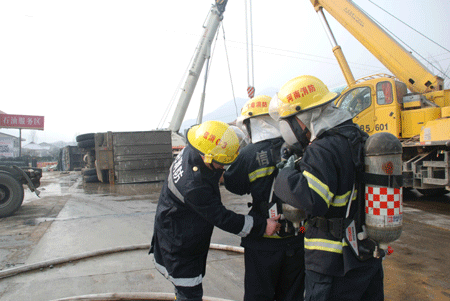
(190, 206)
(321, 184)
(274, 265)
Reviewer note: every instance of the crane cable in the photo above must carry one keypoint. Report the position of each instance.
(229, 69)
(175, 93)
(404, 43)
(408, 26)
(207, 70)
(183, 78)
(249, 36)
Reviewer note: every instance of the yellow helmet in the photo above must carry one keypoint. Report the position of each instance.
(300, 94)
(258, 105)
(216, 140)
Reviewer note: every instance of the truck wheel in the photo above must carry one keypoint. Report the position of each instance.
(89, 136)
(89, 172)
(86, 144)
(433, 191)
(91, 179)
(11, 194)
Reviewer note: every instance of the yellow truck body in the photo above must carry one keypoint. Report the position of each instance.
(420, 117)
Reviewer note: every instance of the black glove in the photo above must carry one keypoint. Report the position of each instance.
(289, 163)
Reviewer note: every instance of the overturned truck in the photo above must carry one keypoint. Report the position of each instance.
(126, 157)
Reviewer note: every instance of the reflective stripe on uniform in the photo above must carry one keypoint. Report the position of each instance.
(248, 225)
(179, 281)
(260, 173)
(319, 187)
(272, 236)
(342, 200)
(324, 245)
(173, 188)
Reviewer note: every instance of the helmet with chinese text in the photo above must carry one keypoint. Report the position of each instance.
(258, 105)
(216, 141)
(255, 121)
(301, 93)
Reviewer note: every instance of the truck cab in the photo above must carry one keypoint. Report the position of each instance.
(375, 104)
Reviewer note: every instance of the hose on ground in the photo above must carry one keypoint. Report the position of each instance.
(132, 296)
(52, 262)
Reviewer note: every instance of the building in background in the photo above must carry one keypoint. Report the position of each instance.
(9, 146)
(36, 150)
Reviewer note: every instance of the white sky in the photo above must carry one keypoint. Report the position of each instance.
(115, 65)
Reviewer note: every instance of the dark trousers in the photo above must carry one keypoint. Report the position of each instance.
(359, 284)
(188, 293)
(277, 275)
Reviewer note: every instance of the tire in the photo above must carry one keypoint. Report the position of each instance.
(11, 194)
(89, 172)
(91, 179)
(86, 144)
(433, 191)
(90, 136)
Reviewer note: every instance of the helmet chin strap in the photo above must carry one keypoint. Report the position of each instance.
(299, 133)
(216, 169)
(211, 166)
(248, 128)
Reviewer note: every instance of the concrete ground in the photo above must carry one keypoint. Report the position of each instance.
(72, 217)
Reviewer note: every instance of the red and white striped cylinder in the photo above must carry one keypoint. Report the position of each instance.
(384, 205)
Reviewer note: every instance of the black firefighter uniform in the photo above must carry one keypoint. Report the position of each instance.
(322, 186)
(279, 276)
(188, 209)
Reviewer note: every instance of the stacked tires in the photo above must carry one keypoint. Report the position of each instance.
(86, 142)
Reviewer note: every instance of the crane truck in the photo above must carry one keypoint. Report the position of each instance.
(411, 104)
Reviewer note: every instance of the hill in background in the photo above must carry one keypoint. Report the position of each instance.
(227, 112)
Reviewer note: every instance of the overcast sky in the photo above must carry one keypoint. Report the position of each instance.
(116, 65)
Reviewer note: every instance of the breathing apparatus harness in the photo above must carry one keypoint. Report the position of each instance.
(351, 228)
(337, 226)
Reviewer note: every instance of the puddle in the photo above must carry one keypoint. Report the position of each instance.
(72, 183)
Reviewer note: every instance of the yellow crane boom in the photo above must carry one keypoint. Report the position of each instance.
(388, 51)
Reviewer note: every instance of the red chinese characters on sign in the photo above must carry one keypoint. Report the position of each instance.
(22, 122)
(301, 93)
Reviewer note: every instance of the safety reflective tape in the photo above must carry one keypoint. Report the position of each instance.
(324, 245)
(179, 281)
(260, 173)
(173, 188)
(342, 200)
(272, 236)
(248, 225)
(320, 188)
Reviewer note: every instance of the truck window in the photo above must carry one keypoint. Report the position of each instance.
(384, 93)
(401, 90)
(356, 100)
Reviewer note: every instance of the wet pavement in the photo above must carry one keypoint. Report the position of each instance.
(73, 217)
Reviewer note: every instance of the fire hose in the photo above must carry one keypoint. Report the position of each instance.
(132, 296)
(110, 296)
